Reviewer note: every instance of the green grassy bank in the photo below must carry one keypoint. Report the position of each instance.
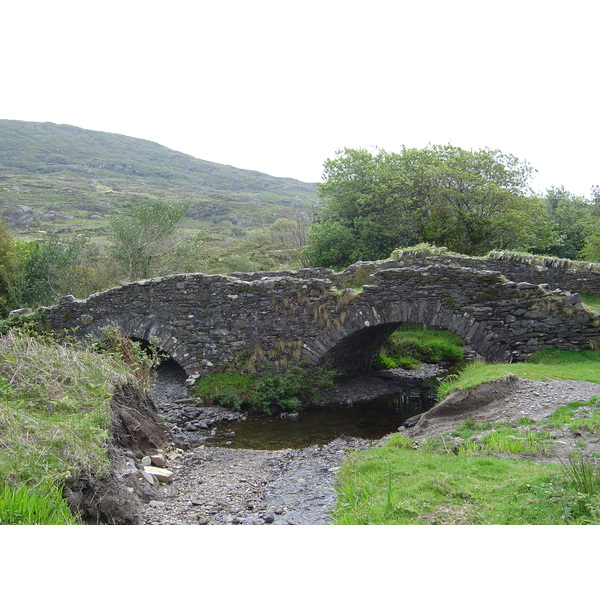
(54, 418)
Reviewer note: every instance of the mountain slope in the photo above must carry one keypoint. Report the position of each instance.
(56, 176)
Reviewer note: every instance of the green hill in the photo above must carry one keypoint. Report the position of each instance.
(60, 177)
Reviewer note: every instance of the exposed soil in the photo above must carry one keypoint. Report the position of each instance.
(214, 486)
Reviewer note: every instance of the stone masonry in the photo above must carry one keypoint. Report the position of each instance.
(212, 322)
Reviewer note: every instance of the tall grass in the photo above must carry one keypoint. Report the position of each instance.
(25, 506)
(581, 491)
(54, 413)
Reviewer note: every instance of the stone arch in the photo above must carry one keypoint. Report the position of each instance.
(148, 329)
(354, 346)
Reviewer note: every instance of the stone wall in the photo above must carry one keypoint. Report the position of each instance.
(208, 322)
(564, 274)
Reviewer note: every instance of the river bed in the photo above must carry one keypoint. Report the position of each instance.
(367, 407)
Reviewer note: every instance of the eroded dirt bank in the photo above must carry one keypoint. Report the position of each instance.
(508, 400)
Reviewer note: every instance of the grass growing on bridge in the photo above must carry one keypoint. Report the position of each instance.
(591, 303)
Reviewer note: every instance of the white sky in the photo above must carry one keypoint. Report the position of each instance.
(277, 86)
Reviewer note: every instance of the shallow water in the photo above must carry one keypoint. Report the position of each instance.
(368, 420)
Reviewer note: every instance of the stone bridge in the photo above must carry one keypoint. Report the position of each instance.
(243, 320)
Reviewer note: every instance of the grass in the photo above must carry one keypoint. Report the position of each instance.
(543, 365)
(54, 415)
(472, 439)
(411, 344)
(591, 303)
(578, 416)
(396, 484)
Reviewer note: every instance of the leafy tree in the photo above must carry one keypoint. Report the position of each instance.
(144, 243)
(13, 255)
(473, 197)
(568, 215)
(470, 201)
(48, 271)
(370, 197)
(289, 237)
(591, 245)
(331, 245)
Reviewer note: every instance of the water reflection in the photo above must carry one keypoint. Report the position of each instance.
(369, 420)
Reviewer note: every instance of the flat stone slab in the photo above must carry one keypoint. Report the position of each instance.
(163, 475)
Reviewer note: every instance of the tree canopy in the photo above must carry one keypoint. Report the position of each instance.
(470, 201)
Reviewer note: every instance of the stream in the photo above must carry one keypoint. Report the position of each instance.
(367, 407)
(249, 469)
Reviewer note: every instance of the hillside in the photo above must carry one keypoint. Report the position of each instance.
(58, 177)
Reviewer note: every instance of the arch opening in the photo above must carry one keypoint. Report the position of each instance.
(168, 371)
(384, 346)
(167, 363)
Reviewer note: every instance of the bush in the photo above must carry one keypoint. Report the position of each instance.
(141, 358)
(269, 392)
(229, 388)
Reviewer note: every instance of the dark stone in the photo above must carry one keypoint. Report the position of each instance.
(208, 323)
(411, 421)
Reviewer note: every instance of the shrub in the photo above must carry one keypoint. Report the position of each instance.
(141, 358)
(229, 388)
(580, 489)
(268, 392)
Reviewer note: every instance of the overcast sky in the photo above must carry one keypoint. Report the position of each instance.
(278, 87)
